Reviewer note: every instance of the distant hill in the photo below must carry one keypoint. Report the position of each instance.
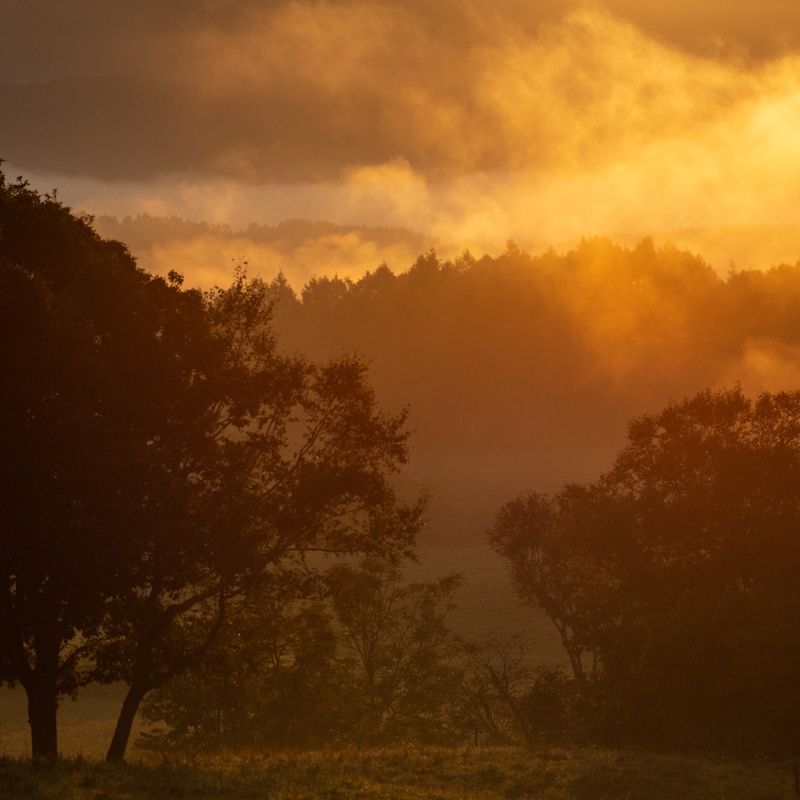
(300, 248)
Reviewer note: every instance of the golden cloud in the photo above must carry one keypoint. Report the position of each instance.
(542, 133)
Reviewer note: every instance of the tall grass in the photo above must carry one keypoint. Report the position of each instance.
(402, 773)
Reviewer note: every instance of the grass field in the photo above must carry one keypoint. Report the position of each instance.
(486, 604)
(403, 774)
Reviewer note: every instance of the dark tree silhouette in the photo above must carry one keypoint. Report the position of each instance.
(280, 457)
(398, 674)
(554, 547)
(159, 458)
(688, 548)
(266, 681)
(88, 356)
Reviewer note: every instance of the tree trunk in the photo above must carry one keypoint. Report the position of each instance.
(42, 717)
(122, 732)
(573, 652)
(41, 686)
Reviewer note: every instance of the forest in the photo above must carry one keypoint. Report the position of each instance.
(209, 497)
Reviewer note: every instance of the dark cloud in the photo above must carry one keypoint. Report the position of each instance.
(119, 128)
(47, 39)
(474, 121)
(300, 91)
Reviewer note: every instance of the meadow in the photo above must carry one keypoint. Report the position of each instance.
(404, 773)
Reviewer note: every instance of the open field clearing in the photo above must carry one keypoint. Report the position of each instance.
(84, 727)
(486, 605)
(403, 774)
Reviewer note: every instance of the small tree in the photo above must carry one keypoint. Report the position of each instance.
(275, 457)
(376, 662)
(266, 681)
(554, 547)
(491, 695)
(398, 669)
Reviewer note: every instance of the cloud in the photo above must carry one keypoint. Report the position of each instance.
(504, 124)
(300, 91)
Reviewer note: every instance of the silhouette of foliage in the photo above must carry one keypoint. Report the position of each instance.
(680, 574)
(160, 458)
(89, 359)
(375, 662)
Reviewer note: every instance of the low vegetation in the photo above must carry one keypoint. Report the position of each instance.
(404, 772)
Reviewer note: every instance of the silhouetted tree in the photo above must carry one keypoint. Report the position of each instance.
(551, 544)
(491, 694)
(398, 670)
(93, 349)
(159, 459)
(267, 680)
(282, 456)
(374, 662)
(682, 565)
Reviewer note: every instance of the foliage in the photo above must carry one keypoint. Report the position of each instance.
(283, 456)
(266, 682)
(398, 672)
(679, 570)
(160, 459)
(573, 342)
(547, 542)
(491, 693)
(375, 662)
(93, 349)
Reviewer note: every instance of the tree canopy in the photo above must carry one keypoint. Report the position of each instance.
(678, 571)
(159, 458)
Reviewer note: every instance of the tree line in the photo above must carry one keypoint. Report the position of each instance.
(523, 370)
(517, 351)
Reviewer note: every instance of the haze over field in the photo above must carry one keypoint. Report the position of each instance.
(295, 292)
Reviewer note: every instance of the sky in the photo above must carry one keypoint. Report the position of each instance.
(471, 122)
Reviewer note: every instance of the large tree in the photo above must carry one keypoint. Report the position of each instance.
(688, 548)
(283, 457)
(89, 355)
(160, 457)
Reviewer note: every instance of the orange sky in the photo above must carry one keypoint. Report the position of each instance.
(472, 122)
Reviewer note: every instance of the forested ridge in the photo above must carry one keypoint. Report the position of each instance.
(524, 370)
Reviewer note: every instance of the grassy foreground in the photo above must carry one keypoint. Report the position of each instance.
(401, 773)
